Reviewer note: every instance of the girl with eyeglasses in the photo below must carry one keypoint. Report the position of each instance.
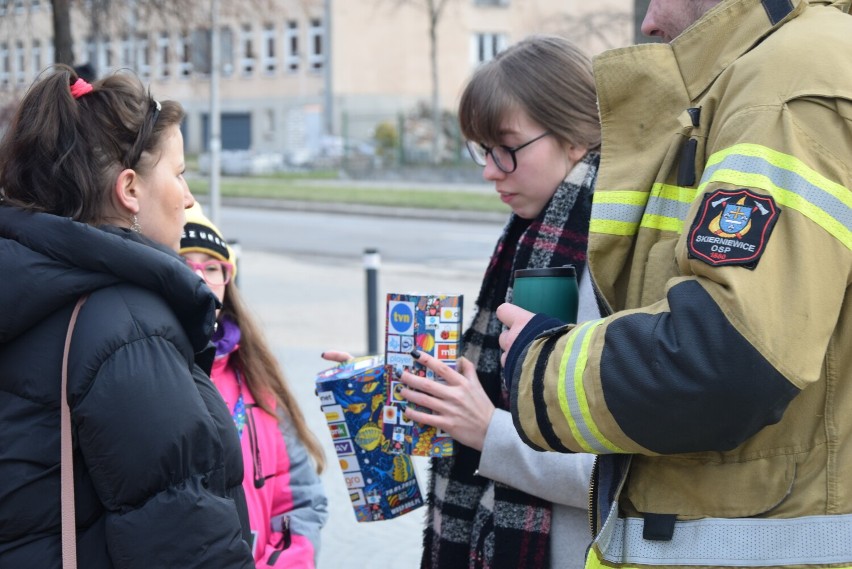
(92, 201)
(531, 120)
(282, 457)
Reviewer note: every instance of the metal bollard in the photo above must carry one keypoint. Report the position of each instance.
(372, 262)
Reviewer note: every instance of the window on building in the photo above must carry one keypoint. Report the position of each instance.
(19, 6)
(91, 54)
(98, 54)
(4, 5)
(316, 56)
(291, 46)
(35, 5)
(201, 51)
(185, 54)
(269, 60)
(4, 64)
(226, 51)
(126, 59)
(163, 56)
(143, 56)
(106, 61)
(247, 55)
(20, 63)
(50, 51)
(35, 57)
(485, 46)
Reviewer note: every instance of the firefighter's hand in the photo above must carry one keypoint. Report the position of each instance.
(515, 318)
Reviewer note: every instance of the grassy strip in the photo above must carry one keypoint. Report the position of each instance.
(399, 197)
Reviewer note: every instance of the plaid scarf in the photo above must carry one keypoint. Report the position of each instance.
(474, 522)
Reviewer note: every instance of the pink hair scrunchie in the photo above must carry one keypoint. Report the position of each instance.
(80, 87)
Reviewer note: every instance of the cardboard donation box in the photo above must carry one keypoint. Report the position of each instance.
(432, 324)
(382, 485)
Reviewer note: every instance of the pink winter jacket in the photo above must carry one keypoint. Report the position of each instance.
(285, 496)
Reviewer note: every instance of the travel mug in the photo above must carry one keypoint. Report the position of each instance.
(552, 291)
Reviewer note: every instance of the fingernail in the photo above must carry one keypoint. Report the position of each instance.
(322, 355)
(415, 353)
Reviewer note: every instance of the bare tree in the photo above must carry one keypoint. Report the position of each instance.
(63, 41)
(434, 10)
(589, 27)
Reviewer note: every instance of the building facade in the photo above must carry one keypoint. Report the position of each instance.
(295, 71)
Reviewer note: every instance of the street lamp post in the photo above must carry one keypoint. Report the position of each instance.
(328, 101)
(215, 119)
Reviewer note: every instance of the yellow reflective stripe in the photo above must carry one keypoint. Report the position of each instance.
(662, 223)
(574, 404)
(617, 212)
(608, 227)
(624, 197)
(668, 207)
(593, 561)
(622, 212)
(561, 391)
(791, 182)
(677, 193)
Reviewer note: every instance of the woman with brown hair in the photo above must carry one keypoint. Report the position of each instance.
(92, 201)
(282, 457)
(531, 121)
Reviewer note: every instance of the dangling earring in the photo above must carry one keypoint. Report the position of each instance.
(136, 228)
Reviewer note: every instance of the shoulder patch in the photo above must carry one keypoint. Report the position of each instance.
(732, 228)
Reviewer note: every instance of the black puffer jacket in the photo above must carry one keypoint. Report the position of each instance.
(157, 461)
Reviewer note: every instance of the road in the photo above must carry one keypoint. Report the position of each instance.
(335, 236)
(302, 275)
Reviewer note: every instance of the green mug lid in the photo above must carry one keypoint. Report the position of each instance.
(564, 271)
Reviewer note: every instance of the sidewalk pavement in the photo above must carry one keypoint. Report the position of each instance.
(310, 304)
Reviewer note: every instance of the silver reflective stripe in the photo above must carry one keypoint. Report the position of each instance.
(746, 542)
(784, 179)
(577, 417)
(667, 208)
(618, 212)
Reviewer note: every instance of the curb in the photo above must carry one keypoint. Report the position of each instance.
(364, 209)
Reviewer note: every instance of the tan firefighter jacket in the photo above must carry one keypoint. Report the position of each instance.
(721, 237)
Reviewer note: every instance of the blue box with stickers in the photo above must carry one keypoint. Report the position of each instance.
(432, 323)
(381, 484)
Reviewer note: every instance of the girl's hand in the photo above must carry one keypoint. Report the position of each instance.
(460, 406)
(339, 357)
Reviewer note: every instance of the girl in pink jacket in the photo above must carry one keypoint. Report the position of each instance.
(282, 458)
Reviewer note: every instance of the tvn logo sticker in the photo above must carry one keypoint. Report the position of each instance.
(401, 317)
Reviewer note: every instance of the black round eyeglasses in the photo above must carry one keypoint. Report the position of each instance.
(503, 156)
